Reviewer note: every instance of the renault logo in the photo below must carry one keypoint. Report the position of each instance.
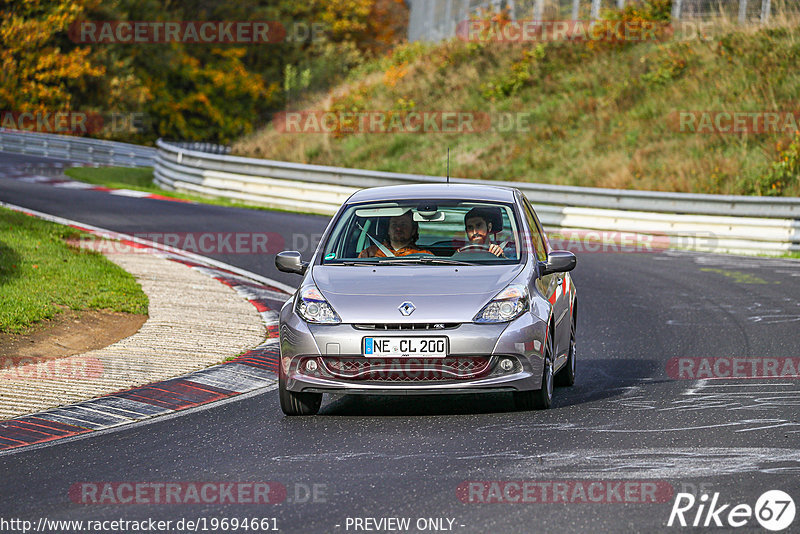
(407, 308)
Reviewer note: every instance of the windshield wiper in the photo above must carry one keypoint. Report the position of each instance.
(352, 263)
(424, 261)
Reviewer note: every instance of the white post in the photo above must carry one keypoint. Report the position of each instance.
(765, 11)
(595, 9)
(430, 22)
(538, 10)
(742, 11)
(620, 4)
(576, 6)
(512, 9)
(450, 21)
(676, 9)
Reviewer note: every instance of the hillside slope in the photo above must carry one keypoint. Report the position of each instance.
(595, 113)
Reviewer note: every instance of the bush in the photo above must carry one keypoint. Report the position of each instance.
(783, 174)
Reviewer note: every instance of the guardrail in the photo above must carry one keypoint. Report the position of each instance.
(712, 223)
(80, 149)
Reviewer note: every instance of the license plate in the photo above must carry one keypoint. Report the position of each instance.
(406, 347)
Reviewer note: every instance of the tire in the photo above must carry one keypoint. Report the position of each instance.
(542, 398)
(293, 403)
(566, 376)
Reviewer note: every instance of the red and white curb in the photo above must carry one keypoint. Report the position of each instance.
(24, 175)
(253, 370)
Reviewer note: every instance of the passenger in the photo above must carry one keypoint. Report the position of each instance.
(402, 239)
(479, 224)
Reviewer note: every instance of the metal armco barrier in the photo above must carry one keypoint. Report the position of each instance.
(79, 149)
(714, 223)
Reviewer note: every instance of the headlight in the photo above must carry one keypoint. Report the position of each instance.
(509, 304)
(313, 307)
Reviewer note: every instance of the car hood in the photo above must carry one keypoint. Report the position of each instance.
(441, 294)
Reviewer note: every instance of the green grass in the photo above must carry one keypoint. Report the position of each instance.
(141, 179)
(39, 272)
(602, 115)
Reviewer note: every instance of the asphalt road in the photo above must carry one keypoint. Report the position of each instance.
(626, 420)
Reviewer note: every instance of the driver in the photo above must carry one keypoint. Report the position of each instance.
(478, 226)
(402, 239)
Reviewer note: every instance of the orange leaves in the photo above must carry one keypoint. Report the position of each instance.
(372, 25)
(36, 72)
(394, 74)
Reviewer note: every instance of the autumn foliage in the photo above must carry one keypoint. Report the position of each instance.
(196, 91)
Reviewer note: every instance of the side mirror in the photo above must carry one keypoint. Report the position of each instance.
(559, 261)
(289, 261)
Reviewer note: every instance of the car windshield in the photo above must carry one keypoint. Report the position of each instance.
(428, 232)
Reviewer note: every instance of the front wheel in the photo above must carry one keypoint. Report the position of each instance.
(293, 403)
(539, 399)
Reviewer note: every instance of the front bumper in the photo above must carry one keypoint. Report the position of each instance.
(472, 365)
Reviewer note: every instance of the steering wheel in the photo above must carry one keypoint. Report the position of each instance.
(473, 248)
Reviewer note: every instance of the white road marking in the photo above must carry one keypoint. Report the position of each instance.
(130, 193)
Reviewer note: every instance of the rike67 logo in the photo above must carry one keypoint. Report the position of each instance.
(774, 510)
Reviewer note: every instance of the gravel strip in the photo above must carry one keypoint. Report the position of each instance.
(195, 321)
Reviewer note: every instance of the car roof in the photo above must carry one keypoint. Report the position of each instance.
(435, 191)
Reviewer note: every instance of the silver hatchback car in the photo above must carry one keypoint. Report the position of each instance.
(429, 288)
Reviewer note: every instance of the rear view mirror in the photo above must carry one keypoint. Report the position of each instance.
(289, 261)
(429, 216)
(559, 261)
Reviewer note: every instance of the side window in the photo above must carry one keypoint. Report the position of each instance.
(537, 236)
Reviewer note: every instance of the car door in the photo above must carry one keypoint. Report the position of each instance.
(551, 286)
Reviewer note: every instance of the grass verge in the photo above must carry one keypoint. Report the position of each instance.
(39, 272)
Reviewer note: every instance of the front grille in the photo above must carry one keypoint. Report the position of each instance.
(406, 369)
(406, 326)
